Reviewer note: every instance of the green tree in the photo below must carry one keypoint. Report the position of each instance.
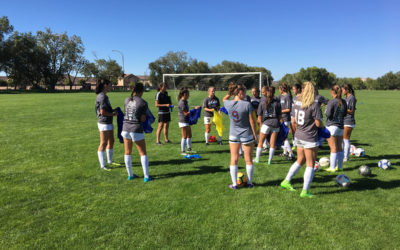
(101, 68)
(389, 81)
(5, 27)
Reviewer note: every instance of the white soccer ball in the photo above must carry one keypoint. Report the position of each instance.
(342, 180)
(384, 164)
(359, 152)
(353, 149)
(317, 166)
(324, 162)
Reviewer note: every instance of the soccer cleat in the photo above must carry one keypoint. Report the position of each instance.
(158, 143)
(115, 164)
(306, 194)
(207, 144)
(231, 186)
(250, 185)
(284, 154)
(220, 143)
(167, 141)
(256, 160)
(286, 185)
(269, 162)
(190, 151)
(148, 179)
(131, 177)
(338, 169)
(345, 159)
(104, 168)
(290, 157)
(294, 148)
(330, 170)
(265, 149)
(183, 153)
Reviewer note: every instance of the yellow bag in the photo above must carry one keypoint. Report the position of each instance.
(255, 121)
(217, 120)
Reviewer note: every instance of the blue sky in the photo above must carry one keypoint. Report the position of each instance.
(348, 38)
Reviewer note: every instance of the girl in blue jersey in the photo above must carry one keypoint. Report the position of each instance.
(241, 132)
(349, 121)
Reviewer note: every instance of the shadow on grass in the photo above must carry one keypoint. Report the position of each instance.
(199, 171)
(174, 162)
(357, 144)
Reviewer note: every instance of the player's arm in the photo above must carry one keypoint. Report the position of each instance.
(103, 112)
(319, 123)
(161, 105)
(293, 124)
(253, 125)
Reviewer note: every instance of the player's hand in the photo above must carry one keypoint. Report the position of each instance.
(197, 107)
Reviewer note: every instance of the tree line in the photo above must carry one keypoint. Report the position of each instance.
(47, 58)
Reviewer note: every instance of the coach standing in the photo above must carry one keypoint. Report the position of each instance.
(163, 102)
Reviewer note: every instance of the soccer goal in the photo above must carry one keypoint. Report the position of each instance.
(217, 74)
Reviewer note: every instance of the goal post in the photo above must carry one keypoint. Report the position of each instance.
(218, 74)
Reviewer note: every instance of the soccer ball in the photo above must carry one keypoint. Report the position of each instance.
(384, 164)
(212, 138)
(241, 179)
(342, 180)
(359, 152)
(364, 170)
(353, 149)
(317, 166)
(324, 162)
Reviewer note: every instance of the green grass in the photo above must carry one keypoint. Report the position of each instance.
(53, 194)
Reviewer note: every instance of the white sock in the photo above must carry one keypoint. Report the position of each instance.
(258, 152)
(289, 148)
(183, 145)
(234, 170)
(219, 139)
(293, 171)
(333, 160)
(206, 136)
(266, 144)
(128, 164)
(110, 153)
(145, 165)
(308, 177)
(340, 156)
(189, 143)
(271, 154)
(102, 158)
(346, 147)
(241, 150)
(250, 170)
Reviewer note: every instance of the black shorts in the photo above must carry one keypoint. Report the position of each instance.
(164, 117)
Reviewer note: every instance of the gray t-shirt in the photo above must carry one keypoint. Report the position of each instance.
(306, 129)
(335, 114)
(239, 112)
(286, 103)
(351, 104)
(210, 103)
(134, 109)
(270, 116)
(102, 102)
(183, 106)
(321, 100)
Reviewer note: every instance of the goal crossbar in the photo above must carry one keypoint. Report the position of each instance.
(217, 74)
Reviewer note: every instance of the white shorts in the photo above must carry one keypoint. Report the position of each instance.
(183, 124)
(240, 139)
(350, 126)
(105, 127)
(208, 120)
(305, 144)
(265, 129)
(132, 136)
(335, 131)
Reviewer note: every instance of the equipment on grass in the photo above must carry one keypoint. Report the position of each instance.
(359, 152)
(384, 164)
(241, 179)
(342, 180)
(317, 166)
(364, 170)
(324, 162)
(212, 138)
(353, 149)
(194, 156)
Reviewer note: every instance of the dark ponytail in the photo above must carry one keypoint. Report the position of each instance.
(349, 87)
(338, 93)
(182, 92)
(297, 87)
(137, 89)
(285, 88)
(270, 95)
(100, 85)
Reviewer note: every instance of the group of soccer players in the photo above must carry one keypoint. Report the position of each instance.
(301, 113)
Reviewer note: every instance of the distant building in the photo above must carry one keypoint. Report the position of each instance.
(130, 79)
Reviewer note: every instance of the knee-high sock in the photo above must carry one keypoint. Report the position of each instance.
(189, 143)
(128, 164)
(241, 150)
(183, 145)
(250, 170)
(333, 160)
(340, 156)
(234, 170)
(110, 153)
(346, 148)
(145, 165)
(308, 177)
(206, 136)
(271, 154)
(293, 171)
(287, 145)
(258, 152)
(102, 158)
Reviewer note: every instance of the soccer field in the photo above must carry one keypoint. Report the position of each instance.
(54, 195)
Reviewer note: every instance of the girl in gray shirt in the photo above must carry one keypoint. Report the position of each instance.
(186, 131)
(286, 103)
(241, 131)
(132, 131)
(349, 121)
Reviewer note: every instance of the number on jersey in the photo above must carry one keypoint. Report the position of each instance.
(235, 116)
(299, 116)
